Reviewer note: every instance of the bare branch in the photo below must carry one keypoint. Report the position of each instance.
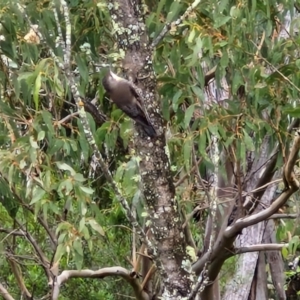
(284, 216)
(261, 247)
(99, 274)
(12, 232)
(6, 295)
(261, 216)
(188, 174)
(275, 69)
(42, 222)
(265, 214)
(223, 248)
(212, 197)
(44, 261)
(70, 116)
(16, 270)
(289, 174)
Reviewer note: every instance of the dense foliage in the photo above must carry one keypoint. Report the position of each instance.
(51, 190)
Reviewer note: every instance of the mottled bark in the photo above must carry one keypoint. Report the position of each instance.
(159, 192)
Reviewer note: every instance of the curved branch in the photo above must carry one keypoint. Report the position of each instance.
(284, 216)
(223, 248)
(68, 117)
(265, 214)
(44, 261)
(41, 221)
(16, 270)
(12, 232)
(101, 273)
(240, 224)
(261, 247)
(6, 295)
(289, 174)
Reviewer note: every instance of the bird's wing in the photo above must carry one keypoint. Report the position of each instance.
(140, 100)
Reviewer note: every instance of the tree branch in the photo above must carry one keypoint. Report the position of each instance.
(284, 216)
(12, 232)
(101, 273)
(261, 247)
(44, 261)
(223, 248)
(15, 268)
(265, 214)
(6, 295)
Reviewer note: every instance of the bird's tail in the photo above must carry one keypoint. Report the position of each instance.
(146, 125)
(149, 130)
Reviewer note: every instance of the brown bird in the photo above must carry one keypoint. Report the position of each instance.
(124, 94)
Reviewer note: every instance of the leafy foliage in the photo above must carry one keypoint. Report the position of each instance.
(46, 164)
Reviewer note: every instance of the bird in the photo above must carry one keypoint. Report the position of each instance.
(125, 95)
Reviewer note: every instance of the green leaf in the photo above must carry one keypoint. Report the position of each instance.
(224, 60)
(202, 143)
(83, 208)
(36, 90)
(61, 237)
(82, 66)
(284, 252)
(64, 188)
(47, 117)
(87, 190)
(65, 167)
(58, 144)
(188, 115)
(174, 10)
(81, 224)
(166, 108)
(187, 151)
(41, 135)
(96, 227)
(198, 92)
(37, 194)
(237, 81)
(176, 101)
(293, 112)
(214, 129)
(6, 109)
(79, 177)
(78, 257)
(221, 20)
(248, 141)
(293, 244)
(77, 246)
(22, 164)
(60, 251)
(11, 172)
(191, 36)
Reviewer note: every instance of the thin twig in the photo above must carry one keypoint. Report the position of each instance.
(70, 116)
(175, 24)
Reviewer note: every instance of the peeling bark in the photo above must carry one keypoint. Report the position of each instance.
(274, 259)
